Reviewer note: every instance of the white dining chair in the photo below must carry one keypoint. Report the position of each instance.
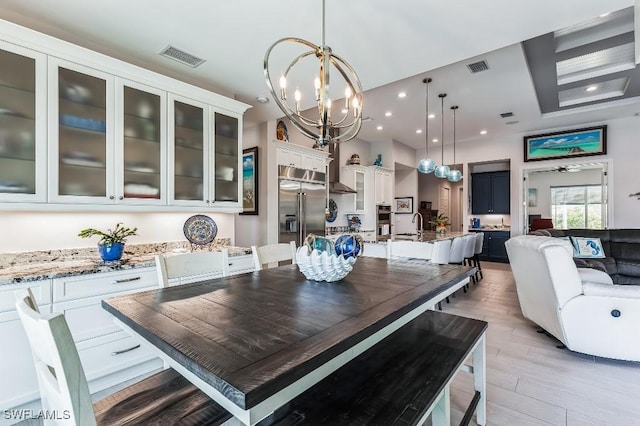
(191, 267)
(273, 253)
(409, 249)
(163, 398)
(469, 248)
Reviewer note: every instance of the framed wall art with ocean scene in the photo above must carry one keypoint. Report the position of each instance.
(566, 144)
(250, 181)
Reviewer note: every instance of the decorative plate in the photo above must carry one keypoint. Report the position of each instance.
(281, 132)
(333, 211)
(200, 229)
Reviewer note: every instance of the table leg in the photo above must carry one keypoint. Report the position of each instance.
(479, 379)
(441, 414)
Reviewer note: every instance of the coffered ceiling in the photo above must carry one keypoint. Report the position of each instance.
(392, 46)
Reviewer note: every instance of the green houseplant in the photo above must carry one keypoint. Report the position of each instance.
(441, 222)
(111, 244)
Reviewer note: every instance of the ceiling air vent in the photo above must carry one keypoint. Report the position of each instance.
(181, 56)
(478, 67)
(506, 114)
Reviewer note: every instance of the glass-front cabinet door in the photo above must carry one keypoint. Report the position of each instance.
(226, 162)
(22, 124)
(188, 152)
(140, 144)
(81, 134)
(359, 188)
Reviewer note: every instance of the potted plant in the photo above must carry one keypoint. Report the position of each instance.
(441, 222)
(111, 244)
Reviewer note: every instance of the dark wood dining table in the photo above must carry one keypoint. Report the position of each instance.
(252, 342)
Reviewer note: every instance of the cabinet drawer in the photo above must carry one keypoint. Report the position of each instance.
(103, 283)
(240, 264)
(41, 291)
(112, 353)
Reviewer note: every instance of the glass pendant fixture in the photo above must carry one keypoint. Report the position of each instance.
(426, 165)
(455, 175)
(442, 171)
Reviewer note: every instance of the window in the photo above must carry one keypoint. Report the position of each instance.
(577, 206)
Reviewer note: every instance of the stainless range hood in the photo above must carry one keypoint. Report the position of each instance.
(335, 186)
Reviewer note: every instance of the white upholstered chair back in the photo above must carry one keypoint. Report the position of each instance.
(205, 264)
(61, 379)
(546, 278)
(469, 245)
(440, 252)
(456, 254)
(409, 249)
(479, 243)
(273, 253)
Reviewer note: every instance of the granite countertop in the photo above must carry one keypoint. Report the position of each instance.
(42, 265)
(491, 228)
(428, 236)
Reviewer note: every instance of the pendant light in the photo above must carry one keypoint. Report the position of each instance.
(455, 175)
(426, 165)
(442, 171)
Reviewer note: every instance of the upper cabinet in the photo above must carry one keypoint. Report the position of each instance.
(102, 132)
(22, 124)
(490, 193)
(383, 182)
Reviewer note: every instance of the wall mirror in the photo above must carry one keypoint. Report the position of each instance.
(571, 195)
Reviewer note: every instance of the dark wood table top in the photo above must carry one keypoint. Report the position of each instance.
(251, 335)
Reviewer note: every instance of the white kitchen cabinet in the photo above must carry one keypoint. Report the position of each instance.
(359, 178)
(383, 182)
(109, 355)
(19, 384)
(89, 132)
(301, 157)
(23, 97)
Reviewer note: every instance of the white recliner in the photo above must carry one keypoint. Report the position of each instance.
(581, 308)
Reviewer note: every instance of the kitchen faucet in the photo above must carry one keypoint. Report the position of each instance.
(420, 222)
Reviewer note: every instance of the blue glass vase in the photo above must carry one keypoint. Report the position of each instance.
(111, 252)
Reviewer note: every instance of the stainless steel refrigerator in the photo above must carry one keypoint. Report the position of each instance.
(302, 201)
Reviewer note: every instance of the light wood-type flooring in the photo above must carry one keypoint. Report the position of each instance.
(529, 380)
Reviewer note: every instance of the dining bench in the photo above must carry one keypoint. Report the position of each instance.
(399, 381)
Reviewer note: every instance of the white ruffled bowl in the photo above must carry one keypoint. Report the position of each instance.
(323, 266)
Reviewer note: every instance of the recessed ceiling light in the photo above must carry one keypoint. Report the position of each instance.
(592, 88)
(262, 99)
(434, 140)
(387, 114)
(419, 131)
(379, 127)
(402, 94)
(483, 132)
(432, 116)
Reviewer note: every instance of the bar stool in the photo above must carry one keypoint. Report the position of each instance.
(476, 254)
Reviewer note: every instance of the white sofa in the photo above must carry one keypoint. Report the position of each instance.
(580, 307)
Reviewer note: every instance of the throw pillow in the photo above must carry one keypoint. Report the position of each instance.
(587, 247)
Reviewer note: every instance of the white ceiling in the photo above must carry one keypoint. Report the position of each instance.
(392, 45)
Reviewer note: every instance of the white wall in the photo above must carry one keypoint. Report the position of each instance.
(27, 231)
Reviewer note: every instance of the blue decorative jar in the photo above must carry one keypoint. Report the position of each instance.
(111, 252)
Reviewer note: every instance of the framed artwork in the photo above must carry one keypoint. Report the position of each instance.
(250, 181)
(566, 144)
(404, 205)
(533, 197)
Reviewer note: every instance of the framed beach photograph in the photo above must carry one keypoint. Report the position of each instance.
(566, 144)
(250, 181)
(404, 205)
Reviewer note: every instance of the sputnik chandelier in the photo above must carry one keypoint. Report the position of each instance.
(328, 126)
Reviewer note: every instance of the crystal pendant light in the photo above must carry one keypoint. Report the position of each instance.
(426, 165)
(455, 175)
(442, 171)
